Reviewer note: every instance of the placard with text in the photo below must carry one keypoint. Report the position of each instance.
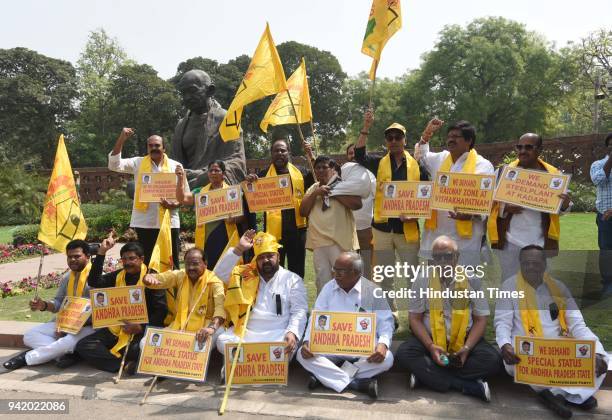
(269, 193)
(117, 305)
(258, 363)
(73, 314)
(463, 193)
(157, 185)
(343, 333)
(406, 198)
(218, 204)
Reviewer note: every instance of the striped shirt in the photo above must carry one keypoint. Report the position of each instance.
(604, 185)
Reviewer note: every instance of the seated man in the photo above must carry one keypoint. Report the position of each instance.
(350, 292)
(44, 340)
(277, 296)
(102, 349)
(199, 300)
(560, 316)
(448, 349)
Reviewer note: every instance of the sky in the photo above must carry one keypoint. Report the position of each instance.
(164, 33)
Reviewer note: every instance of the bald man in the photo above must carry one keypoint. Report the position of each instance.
(145, 216)
(513, 227)
(436, 358)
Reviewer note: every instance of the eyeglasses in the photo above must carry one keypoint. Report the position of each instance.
(443, 256)
(527, 147)
(396, 137)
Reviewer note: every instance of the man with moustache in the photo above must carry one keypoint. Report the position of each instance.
(513, 227)
(146, 217)
(275, 297)
(44, 340)
(103, 349)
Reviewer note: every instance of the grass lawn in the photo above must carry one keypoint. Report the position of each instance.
(578, 232)
(16, 308)
(6, 234)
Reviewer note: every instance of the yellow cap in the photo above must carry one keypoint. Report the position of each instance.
(396, 126)
(264, 242)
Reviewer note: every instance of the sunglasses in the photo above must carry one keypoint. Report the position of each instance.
(443, 256)
(527, 147)
(396, 137)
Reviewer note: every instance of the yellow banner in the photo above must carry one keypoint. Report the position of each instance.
(174, 354)
(218, 204)
(117, 305)
(555, 362)
(463, 193)
(73, 314)
(258, 363)
(155, 186)
(62, 219)
(406, 198)
(343, 333)
(536, 190)
(269, 193)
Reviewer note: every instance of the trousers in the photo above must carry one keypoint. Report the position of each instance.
(46, 346)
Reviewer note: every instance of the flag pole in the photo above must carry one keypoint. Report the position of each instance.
(301, 134)
(373, 85)
(228, 382)
(314, 137)
(117, 378)
(40, 265)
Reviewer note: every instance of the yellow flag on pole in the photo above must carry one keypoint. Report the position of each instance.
(264, 77)
(62, 219)
(280, 111)
(384, 21)
(161, 257)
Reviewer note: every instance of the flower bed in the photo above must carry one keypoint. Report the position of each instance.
(10, 253)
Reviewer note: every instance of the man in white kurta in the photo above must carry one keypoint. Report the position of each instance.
(460, 141)
(350, 292)
(280, 307)
(508, 324)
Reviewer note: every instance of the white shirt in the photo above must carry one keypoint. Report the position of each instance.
(363, 216)
(148, 219)
(289, 286)
(333, 298)
(508, 323)
(445, 225)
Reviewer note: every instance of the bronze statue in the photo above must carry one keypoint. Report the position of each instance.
(196, 140)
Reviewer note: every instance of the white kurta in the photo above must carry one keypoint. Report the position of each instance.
(360, 298)
(469, 247)
(508, 325)
(264, 322)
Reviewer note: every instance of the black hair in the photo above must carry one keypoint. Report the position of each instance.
(530, 248)
(100, 294)
(134, 247)
(467, 131)
(324, 159)
(322, 317)
(217, 162)
(196, 249)
(608, 138)
(349, 147)
(283, 139)
(79, 243)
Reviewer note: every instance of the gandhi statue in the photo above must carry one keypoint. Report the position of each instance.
(196, 140)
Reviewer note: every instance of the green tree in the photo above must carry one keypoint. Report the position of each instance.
(37, 96)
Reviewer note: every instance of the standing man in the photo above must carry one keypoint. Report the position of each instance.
(513, 227)
(288, 226)
(349, 291)
(196, 142)
(103, 349)
(395, 238)
(146, 217)
(600, 175)
(44, 340)
(363, 218)
(460, 156)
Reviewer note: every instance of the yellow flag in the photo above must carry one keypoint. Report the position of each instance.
(264, 77)
(62, 219)
(384, 21)
(281, 112)
(161, 257)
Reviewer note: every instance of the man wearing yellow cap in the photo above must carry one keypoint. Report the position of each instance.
(460, 156)
(395, 238)
(275, 296)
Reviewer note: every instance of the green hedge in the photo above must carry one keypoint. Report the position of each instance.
(92, 210)
(583, 196)
(27, 234)
(98, 227)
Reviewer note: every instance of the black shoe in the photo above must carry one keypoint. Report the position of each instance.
(555, 403)
(313, 382)
(373, 389)
(16, 362)
(130, 368)
(479, 389)
(589, 404)
(67, 360)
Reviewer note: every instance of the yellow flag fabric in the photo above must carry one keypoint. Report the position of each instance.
(62, 219)
(281, 111)
(264, 77)
(161, 257)
(241, 295)
(384, 21)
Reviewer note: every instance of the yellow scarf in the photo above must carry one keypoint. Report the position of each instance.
(171, 305)
(230, 228)
(186, 302)
(123, 338)
(554, 228)
(274, 219)
(241, 293)
(464, 227)
(413, 173)
(146, 166)
(528, 306)
(81, 284)
(459, 320)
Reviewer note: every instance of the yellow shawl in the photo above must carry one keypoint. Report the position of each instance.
(459, 320)
(146, 166)
(192, 303)
(241, 294)
(528, 306)
(81, 284)
(274, 219)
